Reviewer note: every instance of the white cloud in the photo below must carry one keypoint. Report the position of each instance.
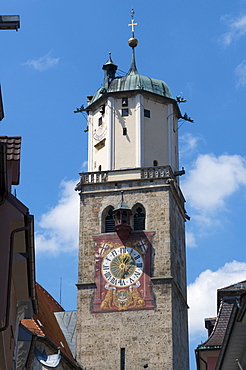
(58, 229)
(212, 180)
(190, 239)
(84, 165)
(43, 63)
(188, 143)
(207, 187)
(237, 28)
(202, 295)
(241, 73)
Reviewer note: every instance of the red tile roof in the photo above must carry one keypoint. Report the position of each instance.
(32, 326)
(13, 147)
(45, 325)
(217, 336)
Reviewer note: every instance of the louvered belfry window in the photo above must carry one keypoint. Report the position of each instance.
(109, 222)
(139, 219)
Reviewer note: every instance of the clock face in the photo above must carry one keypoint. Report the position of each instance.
(100, 133)
(122, 266)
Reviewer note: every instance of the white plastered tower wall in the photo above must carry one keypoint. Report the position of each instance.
(147, 139)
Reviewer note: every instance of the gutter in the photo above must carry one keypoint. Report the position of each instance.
(3, 172)
(31, 264)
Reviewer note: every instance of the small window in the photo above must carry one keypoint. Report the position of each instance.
(100, 121)
(147, 113)
(100, 145)
(102, 109)
(139, 219)
(124, 217)
(100, 168)
(124, 102)
(122, 359)
(124, 112)
(155, 163)
(109, 222)
(124, 131)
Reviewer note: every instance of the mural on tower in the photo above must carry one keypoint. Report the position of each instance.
(122, 269)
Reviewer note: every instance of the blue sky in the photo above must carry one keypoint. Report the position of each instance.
(54, 61)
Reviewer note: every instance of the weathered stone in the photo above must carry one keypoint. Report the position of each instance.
(155, 338)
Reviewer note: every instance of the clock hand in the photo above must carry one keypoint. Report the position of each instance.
(125, 260)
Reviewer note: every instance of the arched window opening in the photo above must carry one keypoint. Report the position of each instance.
(155, 163)
(109, 221)
(118, 217)
(124, 217)
(139, 219)
(100, 168)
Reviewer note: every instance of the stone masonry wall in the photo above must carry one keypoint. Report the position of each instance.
(153, 338)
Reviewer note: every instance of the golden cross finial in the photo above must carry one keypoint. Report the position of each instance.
(132, 24)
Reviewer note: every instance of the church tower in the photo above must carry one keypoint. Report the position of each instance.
(131, 306)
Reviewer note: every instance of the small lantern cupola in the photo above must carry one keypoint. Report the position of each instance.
(122, 214)
(109, 71)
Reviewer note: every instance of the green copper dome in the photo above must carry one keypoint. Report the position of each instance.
(133, 81)
(122, 205)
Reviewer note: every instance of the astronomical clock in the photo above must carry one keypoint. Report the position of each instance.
(123, 272)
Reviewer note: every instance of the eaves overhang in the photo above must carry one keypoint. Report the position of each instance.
(101, 97)
(203, 348)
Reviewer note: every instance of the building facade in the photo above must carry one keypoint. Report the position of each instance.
(131, 306)
(17, 272)
(225, 347)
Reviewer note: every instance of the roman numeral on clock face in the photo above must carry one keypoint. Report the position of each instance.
(114, 253)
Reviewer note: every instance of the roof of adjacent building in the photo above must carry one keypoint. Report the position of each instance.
(232, 351)
(45, 324)
(226, 299)
(67, 322)
(217, 336)
(13, 147)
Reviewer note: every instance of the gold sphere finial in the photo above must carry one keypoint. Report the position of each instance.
(132, 42)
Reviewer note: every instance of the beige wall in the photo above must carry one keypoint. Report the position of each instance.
(159, 136)
(125, 146)
(209, 357)
(98, 133)
(155, 133)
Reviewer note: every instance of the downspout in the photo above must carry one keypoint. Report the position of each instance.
(197, 362)
(13, 232)
(239, 365)
(3, 172)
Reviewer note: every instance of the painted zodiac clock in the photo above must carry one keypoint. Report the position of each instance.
(122, 273)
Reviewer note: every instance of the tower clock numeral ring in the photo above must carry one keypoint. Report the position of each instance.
(122, 266)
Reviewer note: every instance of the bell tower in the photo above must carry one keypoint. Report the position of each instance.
(131, 302)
